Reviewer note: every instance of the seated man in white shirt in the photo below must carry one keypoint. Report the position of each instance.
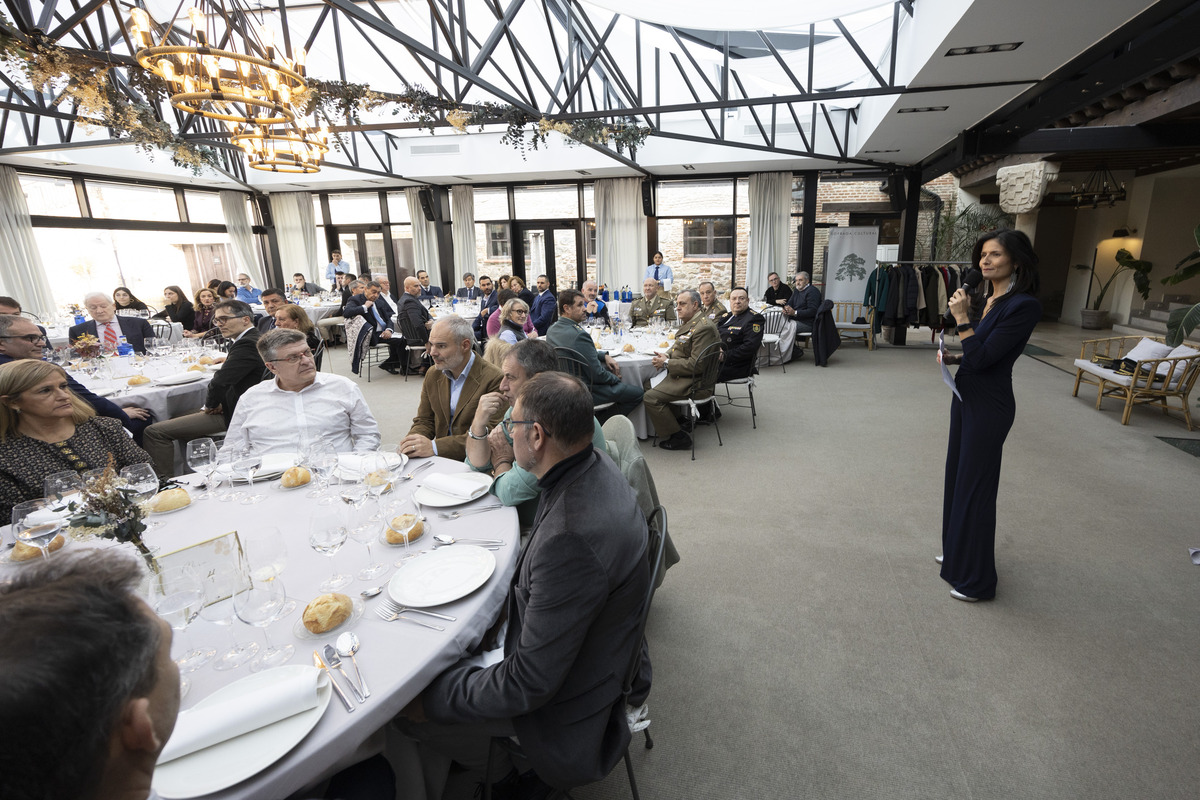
(300, 405)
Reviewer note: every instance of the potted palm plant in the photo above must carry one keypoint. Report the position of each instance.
(1183, 321)
(1095, 319)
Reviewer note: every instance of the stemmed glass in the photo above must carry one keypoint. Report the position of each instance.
(326, 535)
(364, 531)
(177, 595)
(226, 459)
(33, 524)
(322, 460)
(142, 479)
(377, 478)
(260, 604)
(248, 460)
(266, 555)
(221, 582)
(202, 457)
(61, 485)
(396, 509)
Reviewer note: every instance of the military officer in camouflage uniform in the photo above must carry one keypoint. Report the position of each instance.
(711, 305)
(682, 363)
(650, 304)
(741, 336)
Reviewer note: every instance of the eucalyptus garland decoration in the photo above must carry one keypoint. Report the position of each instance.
(69, 75)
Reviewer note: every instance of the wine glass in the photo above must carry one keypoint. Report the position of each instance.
(377, 478)
(365, 531)
(226, 458)
(399, 508)
(248, 460)
(260, 604)
(35, 524)
(142, 479)
(61, 485)
(266, 554)
(326, 535)
(177, 595)
(202, 457)
(322, 459)
(221, 582)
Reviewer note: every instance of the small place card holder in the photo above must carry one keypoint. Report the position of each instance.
(206, 556)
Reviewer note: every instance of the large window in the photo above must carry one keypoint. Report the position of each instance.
(547, 202)
(708, 237)
(54, 197)
(498, 246)
(122, 201)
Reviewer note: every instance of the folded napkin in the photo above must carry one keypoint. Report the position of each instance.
(204, 726)
(457, 486)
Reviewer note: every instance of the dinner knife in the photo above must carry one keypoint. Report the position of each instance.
(318, 663)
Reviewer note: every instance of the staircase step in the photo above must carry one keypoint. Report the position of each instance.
(1141, 327)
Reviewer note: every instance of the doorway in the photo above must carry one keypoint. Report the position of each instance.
(553, 249)
(363, 247)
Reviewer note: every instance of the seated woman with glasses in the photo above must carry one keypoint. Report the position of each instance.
(294, 318)
(45, 428)
(513, 317)
(494, 321)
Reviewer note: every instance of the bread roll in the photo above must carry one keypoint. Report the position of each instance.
(628, 348)
(378, 478)
(138, 380)
(664, 344)
(405, 526)
(327, 612)
(196, 368)
(205, 360)
(170, 499)
(295, 476)
(26, 552)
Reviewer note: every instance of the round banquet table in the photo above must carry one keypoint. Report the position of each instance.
(636, 367)
(397, 659)
(57, 333)
(320, 312)
(163, 400)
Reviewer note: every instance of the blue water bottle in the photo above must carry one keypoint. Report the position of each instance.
(79, 319)
(124, 348)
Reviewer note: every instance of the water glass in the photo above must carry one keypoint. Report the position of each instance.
(34, 524)
(221, 582)
(259, 604)
(202, 456)
(326, 535)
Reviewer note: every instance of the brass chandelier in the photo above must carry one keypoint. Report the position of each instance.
(286, 148)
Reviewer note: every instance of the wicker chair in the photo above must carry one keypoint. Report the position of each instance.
(1152, 382)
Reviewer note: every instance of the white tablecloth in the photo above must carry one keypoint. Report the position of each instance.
(164, 402)
(58, 333)
(787, 339)
(318, 313)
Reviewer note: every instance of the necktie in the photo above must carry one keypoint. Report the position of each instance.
(655, 272)
(379, 319)
(110, 337)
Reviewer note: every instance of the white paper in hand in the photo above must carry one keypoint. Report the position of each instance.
(946, 376)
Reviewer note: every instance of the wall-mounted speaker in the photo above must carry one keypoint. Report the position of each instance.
(648, 198)
(429, 205)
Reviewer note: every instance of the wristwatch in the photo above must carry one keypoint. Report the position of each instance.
(471, 433)
(966, 326)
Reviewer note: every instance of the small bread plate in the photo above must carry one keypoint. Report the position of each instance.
(179, 378)
(431, 497)
(384, 540)
(304, 485)
(440, 576)
(356, 613)
(7, 558)
(107, 391)
(224, 764)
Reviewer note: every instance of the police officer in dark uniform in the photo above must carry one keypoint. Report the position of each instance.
(741, 335)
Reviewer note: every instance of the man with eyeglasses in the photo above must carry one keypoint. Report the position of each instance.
(243, 368)
(20, 339)
(301, 405)
(247, 293)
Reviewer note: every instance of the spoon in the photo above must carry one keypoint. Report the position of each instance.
(457, 514)
(347, 646)
(415, 470)
(333, 660)
(374, 590)
(442, 539)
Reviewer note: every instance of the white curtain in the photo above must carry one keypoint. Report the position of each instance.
(296, 232)
(770, 221)
(620, 233)
(245, 249)
(462, 212)
(21, 274)
(425, 248)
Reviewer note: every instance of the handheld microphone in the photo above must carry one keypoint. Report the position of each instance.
(971, 281)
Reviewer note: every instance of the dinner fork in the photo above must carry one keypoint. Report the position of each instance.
(391, 616)
(392, 606)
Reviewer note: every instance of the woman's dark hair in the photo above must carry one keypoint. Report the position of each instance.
(225, 287)
(1025, 262)
(133, 303)
(179, 293)
(660, 255)
(504, 296)
(214, 283)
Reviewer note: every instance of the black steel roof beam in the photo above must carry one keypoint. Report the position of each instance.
(695, 96)
(382, 162)
(47, 14)
(610, 67)
(1123, 137)
(691, 59)
(895, 41)
(461, 92)
(832, 131)
(770, 140)
(583, 72)
(799, 127)
(500, 29)
(782, 64)
(22, 15)
(907, 5)
(861, 55)
(436, 17)
(316, 28)
(124, 34)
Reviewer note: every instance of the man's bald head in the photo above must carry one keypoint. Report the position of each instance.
(412, 286)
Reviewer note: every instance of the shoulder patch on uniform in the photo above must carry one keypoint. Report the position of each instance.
(756, 327)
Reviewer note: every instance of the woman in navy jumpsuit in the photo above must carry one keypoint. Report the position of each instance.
(994, 326)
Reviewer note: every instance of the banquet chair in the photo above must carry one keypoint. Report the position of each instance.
(162, 329)
(636, 717)
(772, 329)
(410, 336)
(735, 402)
(702, 392)
(572, 363)
(621, 437)
(319, 354)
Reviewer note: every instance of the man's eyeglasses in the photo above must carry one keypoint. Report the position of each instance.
(221, 320)
(507, 425)
(520, 311)
(295, 359)
(32, 338)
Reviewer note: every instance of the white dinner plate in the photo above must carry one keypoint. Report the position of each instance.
(429, 497)
(356, 613)
(440, 576)
(179, 378)
(222, 765)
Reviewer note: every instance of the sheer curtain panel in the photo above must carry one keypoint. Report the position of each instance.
(620, 233)
(21, 272)
(425, 249)
(462, 214)
(245, 251)
(296, 232)
(770, 221)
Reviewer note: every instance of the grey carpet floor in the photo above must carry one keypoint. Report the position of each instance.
(805, 646)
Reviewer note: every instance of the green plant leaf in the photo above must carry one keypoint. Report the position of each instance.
(1141, 281)
(1181, 323)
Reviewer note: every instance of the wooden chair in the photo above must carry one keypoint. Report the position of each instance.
(1152, 382)
(844, 316)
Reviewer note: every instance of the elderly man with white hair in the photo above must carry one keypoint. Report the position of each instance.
(106, 326)
(596, 308)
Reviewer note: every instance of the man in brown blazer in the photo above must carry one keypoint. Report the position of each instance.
(450, 393)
